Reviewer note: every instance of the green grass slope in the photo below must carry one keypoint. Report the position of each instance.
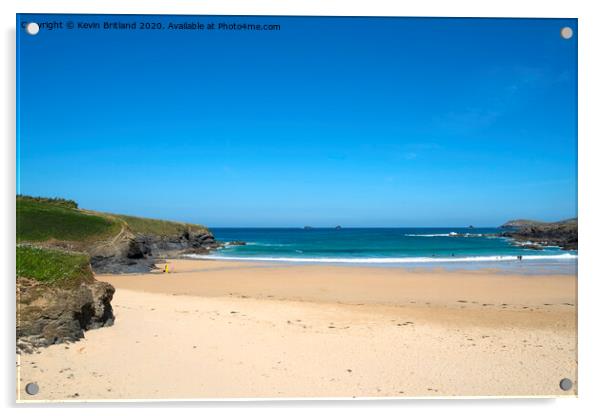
(52, 266)
(150, 226)
(42, 220)
(532, 223)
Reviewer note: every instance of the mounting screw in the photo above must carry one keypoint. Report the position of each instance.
(566, 32)
(32, 28)
(32, 388)
(566, 384)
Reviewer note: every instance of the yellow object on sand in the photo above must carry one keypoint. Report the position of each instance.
(166, 270)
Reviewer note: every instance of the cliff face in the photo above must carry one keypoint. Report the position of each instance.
(563, 233)
(116, 243)
(49, 315)
(137, 252)
(58, 248)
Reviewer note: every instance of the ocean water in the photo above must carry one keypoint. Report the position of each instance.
(440, 247)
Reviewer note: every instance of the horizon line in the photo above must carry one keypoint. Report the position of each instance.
(347, 227)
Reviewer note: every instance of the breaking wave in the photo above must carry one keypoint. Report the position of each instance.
(388, 260)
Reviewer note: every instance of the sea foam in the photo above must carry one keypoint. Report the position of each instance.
(452, 234)
(388, 260)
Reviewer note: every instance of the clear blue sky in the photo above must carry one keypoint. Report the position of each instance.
(352, 121)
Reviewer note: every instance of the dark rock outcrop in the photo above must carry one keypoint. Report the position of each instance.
(138, 253)
(563, 233)
(49, 314)
(165, 245)
(138, 249)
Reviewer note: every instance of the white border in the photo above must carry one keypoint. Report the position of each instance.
(590, 209)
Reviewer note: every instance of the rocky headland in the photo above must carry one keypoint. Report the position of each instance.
(136, 252)
(58, 297)
(60, 247)
(535, 234)
(51, 314)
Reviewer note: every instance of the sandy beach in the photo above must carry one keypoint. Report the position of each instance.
(218, 329)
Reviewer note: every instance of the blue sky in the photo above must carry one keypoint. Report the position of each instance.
(352, 121)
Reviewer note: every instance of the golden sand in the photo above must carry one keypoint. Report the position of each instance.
(217, 329)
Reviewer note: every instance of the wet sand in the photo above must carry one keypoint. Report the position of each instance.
(217, 329)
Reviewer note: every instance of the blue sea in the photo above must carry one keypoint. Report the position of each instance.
(411, 247)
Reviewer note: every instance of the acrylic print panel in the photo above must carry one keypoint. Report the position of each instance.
(268, 207)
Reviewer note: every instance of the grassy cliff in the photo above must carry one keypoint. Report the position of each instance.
(59, 244)
(53, 266)
(42, 220)
(115, 243)
(57, 297)
(151, 226)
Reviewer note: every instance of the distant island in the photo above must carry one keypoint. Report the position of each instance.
(60, 247)
(70, 260)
